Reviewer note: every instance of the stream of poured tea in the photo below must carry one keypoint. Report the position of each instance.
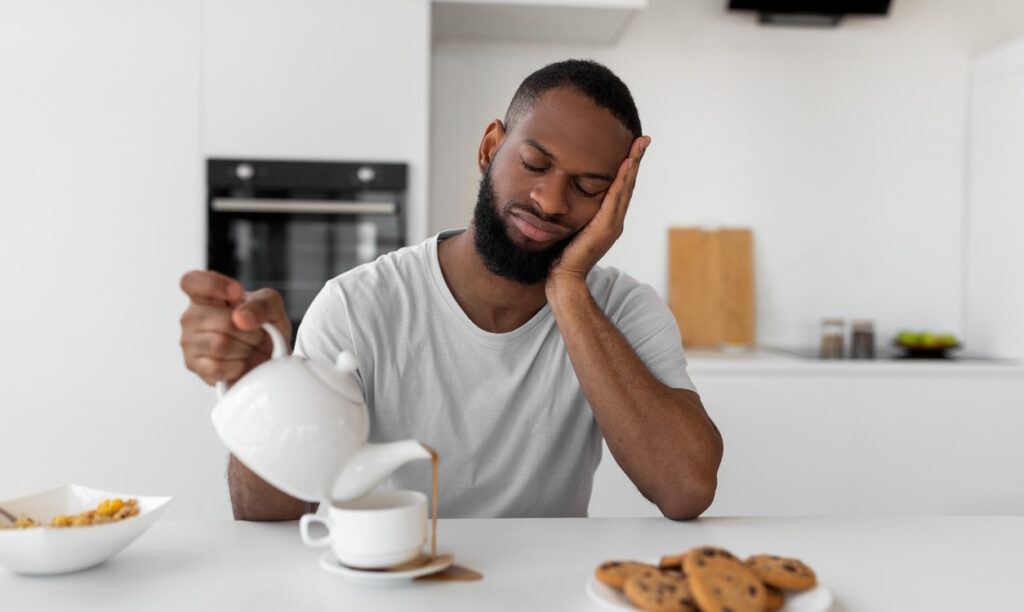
(454, 573)
(433, 529)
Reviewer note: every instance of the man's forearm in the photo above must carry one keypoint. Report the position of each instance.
(253, 499)
(661, 437)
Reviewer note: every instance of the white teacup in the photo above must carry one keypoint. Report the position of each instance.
(381, 529)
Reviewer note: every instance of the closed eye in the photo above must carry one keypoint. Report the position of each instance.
(576, 185)
(531, 168)
(586, 193)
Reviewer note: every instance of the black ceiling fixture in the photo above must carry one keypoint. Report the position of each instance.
(809, 12)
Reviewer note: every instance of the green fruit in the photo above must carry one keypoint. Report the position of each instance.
(929, 340)
(908, 338)
(947, 340)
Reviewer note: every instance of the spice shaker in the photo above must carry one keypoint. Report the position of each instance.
(862, 340)
(832, 339)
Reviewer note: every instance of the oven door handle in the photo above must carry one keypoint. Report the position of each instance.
(267, 205)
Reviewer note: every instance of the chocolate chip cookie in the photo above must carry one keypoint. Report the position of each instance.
(782, 572)
(774, 599)
(721, 582)
(615, 573)
(672, 562)
(653, 589)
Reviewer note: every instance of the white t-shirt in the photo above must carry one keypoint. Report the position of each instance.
(506, 413)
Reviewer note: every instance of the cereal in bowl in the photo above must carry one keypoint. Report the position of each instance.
(108, 511)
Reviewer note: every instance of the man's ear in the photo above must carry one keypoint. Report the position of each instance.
(494, 135)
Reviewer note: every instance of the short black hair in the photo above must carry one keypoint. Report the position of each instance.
(588, 77)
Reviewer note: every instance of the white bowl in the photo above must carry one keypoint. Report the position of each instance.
(49, 550)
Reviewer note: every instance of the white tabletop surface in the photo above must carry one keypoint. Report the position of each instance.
(912, 563)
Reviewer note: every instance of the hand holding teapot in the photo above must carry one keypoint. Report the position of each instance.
(221, 335)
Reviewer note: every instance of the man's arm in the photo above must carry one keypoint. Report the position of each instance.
(253, 499)
(221, 339)
(660, 436)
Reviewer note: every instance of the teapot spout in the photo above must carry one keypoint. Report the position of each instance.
(371, 464)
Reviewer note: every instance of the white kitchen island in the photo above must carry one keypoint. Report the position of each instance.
(877, 564)
(883, 437)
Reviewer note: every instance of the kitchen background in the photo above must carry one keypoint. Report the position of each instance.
(875, 163)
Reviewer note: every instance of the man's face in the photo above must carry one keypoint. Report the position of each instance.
(545, 182)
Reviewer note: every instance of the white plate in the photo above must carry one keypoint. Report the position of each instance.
(47, 550)
(330, 563)
(817, 599)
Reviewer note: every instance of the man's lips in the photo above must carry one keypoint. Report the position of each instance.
(535, 229)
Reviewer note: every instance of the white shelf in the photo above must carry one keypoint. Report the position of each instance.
(758, 362)
(562, 21)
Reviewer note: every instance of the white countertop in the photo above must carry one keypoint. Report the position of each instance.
(909, 563)
(770, 361)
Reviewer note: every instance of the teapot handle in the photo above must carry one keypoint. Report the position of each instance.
(280, 350)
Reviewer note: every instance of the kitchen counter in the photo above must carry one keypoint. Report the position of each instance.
(910, 563)
(815, 437)
(776, 361)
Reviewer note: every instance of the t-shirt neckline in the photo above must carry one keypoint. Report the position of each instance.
(445, 294)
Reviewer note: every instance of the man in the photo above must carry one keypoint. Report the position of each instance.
(502, 346)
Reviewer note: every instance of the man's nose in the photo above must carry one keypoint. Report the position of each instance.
(549, 194)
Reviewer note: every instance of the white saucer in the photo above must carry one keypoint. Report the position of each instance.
(330, 563)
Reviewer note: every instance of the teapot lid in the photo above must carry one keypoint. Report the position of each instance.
(339, 378)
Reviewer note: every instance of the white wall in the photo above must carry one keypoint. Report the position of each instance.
(843, 149)
(107, 112)
(995, 213)
(102, 212)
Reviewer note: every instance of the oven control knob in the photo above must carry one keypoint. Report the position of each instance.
(244, 172)
(366, 174)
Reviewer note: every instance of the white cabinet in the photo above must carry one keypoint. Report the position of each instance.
(320, 80)
(556, 21)
(995, 210)
(805, 438)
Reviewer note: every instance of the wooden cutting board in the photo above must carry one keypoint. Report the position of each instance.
(711, 286)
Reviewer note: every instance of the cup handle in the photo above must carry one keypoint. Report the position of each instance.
(280, 350)
(305, 522)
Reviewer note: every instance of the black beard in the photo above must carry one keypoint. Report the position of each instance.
(500, 255)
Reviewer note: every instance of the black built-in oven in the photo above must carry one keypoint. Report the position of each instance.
(292, 225)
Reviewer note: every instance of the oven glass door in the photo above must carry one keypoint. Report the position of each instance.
(297, 253)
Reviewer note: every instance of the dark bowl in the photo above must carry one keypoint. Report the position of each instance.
(926, 352)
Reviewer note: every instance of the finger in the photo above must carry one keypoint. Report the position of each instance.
(621, 190)
(630, 166)
(217, 369)
(639, 147)
(631, 181)
(199, 318)
(625, 177)
(259, 307)
(266, 347)
(217, 346)
(214, 288)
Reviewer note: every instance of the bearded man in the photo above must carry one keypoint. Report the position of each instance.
(503, 346)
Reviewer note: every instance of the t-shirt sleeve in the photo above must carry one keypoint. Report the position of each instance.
(324, 331)
(650, 328)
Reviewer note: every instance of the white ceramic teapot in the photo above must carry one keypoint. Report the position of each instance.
(302, 426)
